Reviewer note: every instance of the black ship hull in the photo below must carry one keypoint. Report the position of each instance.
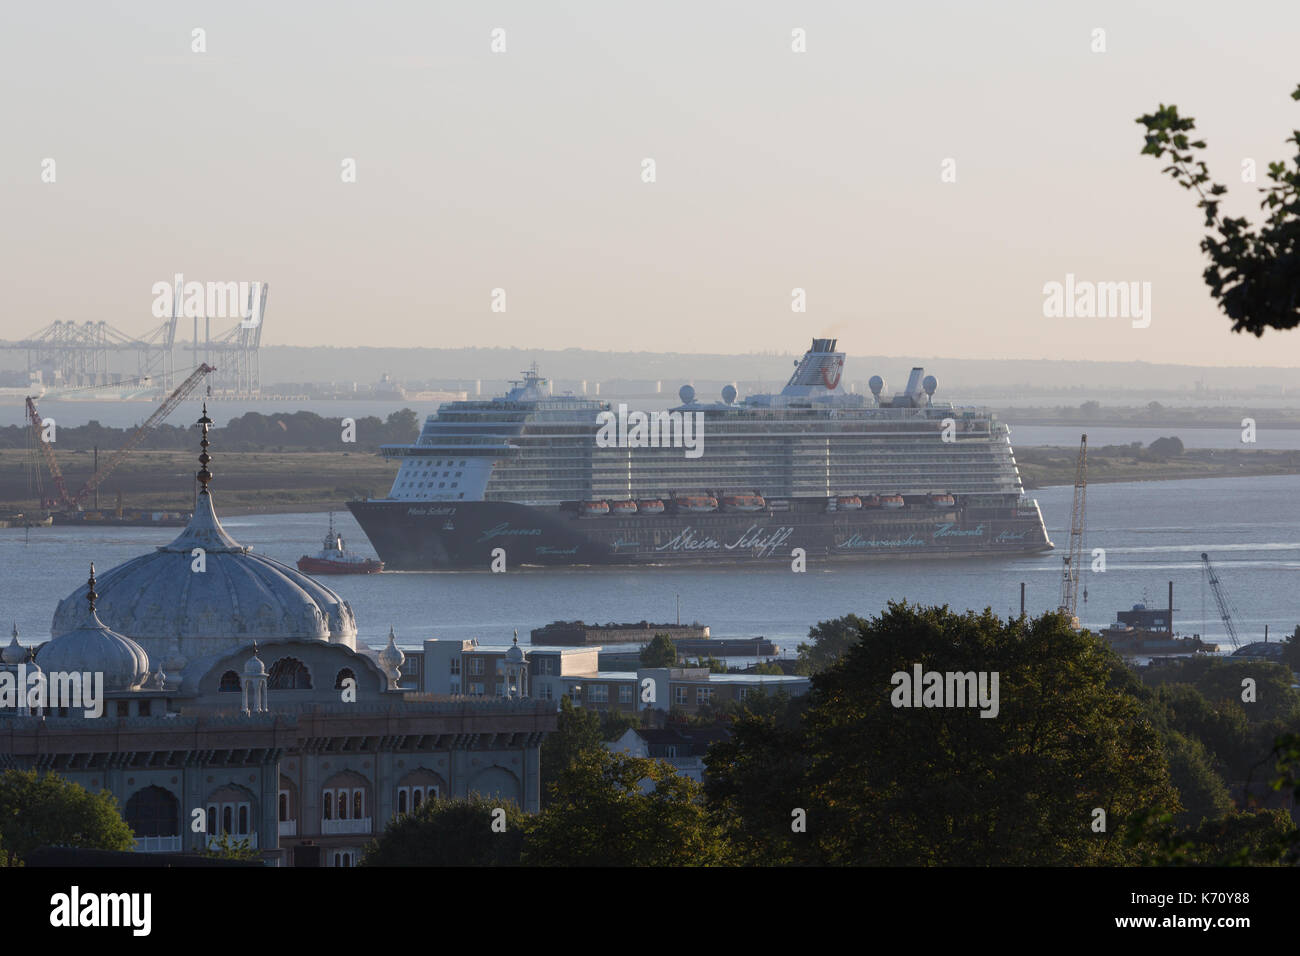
(431, 536)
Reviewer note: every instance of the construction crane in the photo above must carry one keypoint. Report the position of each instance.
(1227, 613)
(72, 502)
(1074, 555)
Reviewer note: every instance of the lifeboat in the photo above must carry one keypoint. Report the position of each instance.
(871, 501)
(593, 508)
(848, 503)
(651, 506)
(942, 501)
(697, 503)
(891, 501)
(622, 507)
(743, 502)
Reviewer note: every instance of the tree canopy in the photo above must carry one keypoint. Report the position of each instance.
(660, 652)
(39, 810)
(883, 784)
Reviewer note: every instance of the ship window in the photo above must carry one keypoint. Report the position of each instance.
(461, 495)
(455, 483)
(441, 484)
(462, 464)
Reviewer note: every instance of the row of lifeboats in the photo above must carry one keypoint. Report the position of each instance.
(857, 502)
(693, 504)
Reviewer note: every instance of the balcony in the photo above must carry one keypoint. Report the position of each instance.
(158, 844)
(288, 828)
(334, 827)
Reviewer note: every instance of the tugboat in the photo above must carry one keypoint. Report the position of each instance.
(333, 559)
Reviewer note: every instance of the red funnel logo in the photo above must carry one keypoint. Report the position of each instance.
(831, 372)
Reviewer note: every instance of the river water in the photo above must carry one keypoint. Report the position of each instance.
(1152, 532)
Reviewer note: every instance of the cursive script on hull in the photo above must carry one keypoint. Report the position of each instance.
(757, 538)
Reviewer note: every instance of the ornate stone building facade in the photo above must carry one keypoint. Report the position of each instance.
(236, 700)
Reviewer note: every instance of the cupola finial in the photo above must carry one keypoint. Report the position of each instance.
(204, 474)
(91, 596)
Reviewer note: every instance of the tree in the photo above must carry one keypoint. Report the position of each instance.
(452, 833)
(1254, 274)
(830, 641)
(1170, 447)
(577, 731)
(224, 848)
(47, 810)
(660, 652)
(601, 817)
(889, 784)
(756, 782)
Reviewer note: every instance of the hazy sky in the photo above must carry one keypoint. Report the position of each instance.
(523, 170)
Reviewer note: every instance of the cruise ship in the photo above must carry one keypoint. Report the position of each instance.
(815, 473)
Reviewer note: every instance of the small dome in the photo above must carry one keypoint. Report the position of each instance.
(254, 667)
(93, 647)
(391, 657)
(14, 653)
(205, 592)
(515, 655)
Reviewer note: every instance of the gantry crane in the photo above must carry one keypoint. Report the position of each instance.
(71, 502)
(1073, 558)
(1227, 613)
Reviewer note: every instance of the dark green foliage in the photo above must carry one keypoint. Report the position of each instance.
(831, 640)
(46, 810)
(577, 731)
(660, 652)
(1254, 274)
(450, 833)
(601, 817)
(889, 785)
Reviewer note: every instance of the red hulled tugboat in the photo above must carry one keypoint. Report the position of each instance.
(333, 559)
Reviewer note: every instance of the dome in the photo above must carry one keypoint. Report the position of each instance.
(515, 654)
(92, 646)
(14, 653)
(391, 657)
(179, 608)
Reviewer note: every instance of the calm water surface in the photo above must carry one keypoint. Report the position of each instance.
(1152, 532)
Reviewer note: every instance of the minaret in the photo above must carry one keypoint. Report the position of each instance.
(516, 672)
(253, 685)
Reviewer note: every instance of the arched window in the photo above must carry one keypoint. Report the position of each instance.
(416, 798)
(345, 674)
(289, 673)
(343, 804)
(358, 804)
(327, 806)
(153, 812)
(401, 800)
(228, 819)
(229, 683)
(284, 805)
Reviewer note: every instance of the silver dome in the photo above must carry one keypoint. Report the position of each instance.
(178, 613)
(94, 647)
